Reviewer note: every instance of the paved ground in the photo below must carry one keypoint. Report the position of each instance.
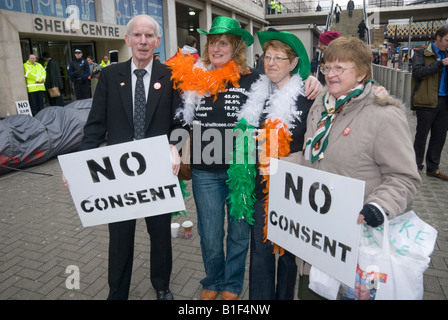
(41, 236)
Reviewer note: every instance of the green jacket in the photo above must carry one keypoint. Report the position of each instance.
(35, 75)
(426, 75)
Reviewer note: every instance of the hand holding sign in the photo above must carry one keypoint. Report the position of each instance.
(175, 159)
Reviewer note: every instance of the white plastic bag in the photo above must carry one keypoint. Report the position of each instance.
(393, 258)
(324, 285)
(409, 236)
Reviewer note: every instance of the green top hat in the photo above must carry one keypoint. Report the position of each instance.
(226, 25)
(304, 66)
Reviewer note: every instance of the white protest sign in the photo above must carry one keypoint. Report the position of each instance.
(23, 107)
(123, 181)
(313, 214)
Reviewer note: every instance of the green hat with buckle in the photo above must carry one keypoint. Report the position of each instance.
(304, 66)
(226, 25)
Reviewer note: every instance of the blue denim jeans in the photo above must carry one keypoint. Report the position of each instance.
(262, 277)
(224, 270)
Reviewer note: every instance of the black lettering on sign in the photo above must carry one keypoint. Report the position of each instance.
(38, 24)
(124, 164)
(312, 198)
(273, 215)
(106, 171)
(296, 189)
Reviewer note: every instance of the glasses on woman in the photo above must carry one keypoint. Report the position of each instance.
(337, 70)
(275, 59)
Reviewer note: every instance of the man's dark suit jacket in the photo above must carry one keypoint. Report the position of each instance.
(112, 110)
(111, 117)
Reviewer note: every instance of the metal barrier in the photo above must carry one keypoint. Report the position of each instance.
(396, 81)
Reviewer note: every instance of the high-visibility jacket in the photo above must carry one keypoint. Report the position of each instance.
(35, 75)
(104, 64)
(279, 8)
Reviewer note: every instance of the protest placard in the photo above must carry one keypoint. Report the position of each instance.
(23, 107)
(313, 214)
(123, 181)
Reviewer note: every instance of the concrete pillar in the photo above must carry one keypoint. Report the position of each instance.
(205, 22)
(250, 50)
(12, 78)
(170, 27)
(105, 12)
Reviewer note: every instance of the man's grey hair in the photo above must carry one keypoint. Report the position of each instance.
(157, 25)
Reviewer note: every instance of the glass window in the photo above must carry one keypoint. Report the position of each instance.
(83, 9)
(14, 5)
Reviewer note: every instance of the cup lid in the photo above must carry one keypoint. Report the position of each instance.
(187, 224)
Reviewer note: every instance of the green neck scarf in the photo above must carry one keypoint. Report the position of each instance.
(333, 107)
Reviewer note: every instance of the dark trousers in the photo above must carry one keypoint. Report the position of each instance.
(82, 89)
(262, 269)
(36, 100)
(305, 293)
(121, 255)
(433, 122)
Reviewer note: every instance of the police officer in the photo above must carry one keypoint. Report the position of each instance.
(35, 75)
(79, 72)
(273, 6)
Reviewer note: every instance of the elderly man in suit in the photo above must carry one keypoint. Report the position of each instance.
(116, 112)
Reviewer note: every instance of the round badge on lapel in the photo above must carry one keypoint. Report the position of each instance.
(157, 85)
(346, 131)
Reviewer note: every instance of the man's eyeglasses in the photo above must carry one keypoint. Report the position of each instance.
(337, 70)
(275, 59)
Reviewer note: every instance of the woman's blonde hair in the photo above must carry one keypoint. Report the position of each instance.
(351, 49)
(239, 56)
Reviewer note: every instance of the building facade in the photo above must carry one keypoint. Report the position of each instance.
(99, 26)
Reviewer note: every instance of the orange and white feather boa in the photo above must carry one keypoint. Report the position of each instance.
(196, 81)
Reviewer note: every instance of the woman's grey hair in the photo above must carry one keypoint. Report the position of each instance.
(129, 25)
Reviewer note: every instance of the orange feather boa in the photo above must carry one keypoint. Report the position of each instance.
(275, 143)
(187, 77)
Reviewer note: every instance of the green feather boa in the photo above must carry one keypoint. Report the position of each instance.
(185, 193)
(242, 172)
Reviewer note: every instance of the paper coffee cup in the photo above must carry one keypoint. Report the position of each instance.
(188, 229)
(174, 229)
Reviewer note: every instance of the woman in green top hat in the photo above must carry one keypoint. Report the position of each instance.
(213, 90)
(276, 104)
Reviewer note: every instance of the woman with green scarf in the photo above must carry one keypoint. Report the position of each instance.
(354, 133)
